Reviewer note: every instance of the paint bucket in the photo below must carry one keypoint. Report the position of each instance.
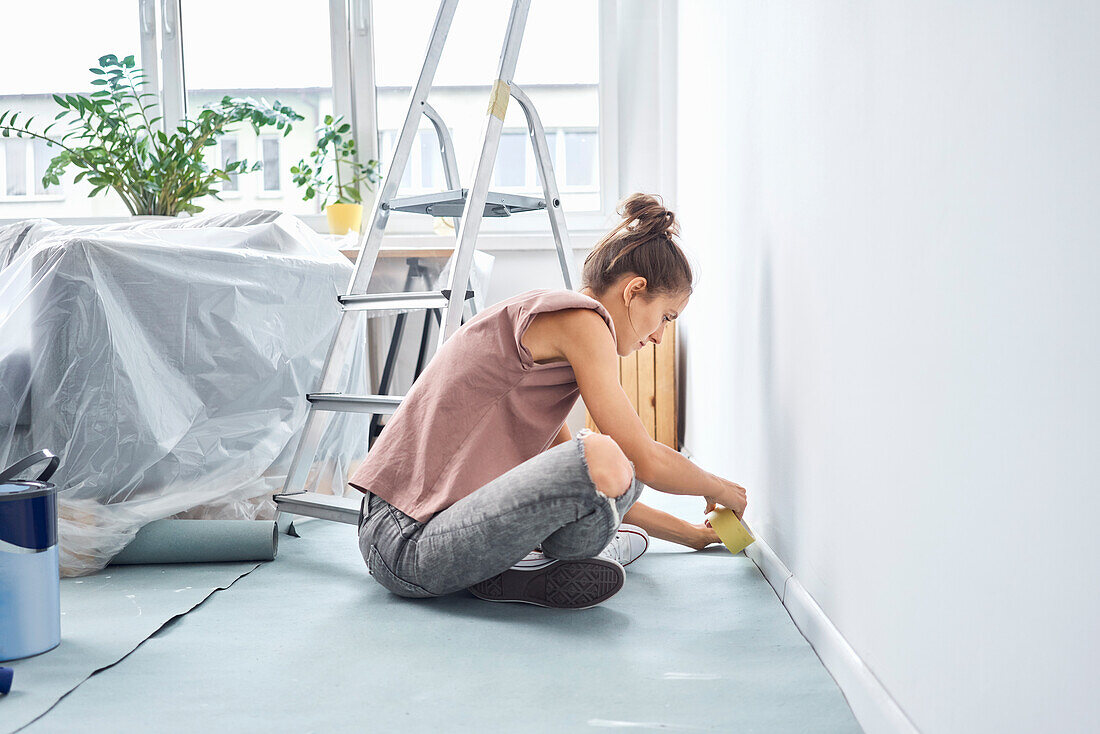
(30, 584)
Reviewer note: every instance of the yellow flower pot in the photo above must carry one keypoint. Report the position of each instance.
(343, 218)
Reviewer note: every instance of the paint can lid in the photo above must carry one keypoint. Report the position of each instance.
(25, 489)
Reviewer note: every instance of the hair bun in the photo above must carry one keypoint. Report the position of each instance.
(641, 244)
(646, 215)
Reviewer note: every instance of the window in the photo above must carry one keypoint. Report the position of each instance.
(431, 160)
(271, 174)
(43, 154)
(341, 57)
(564, 88)
(22, 165)
(229, 154)
(15, 167)
(287, 57)
(424, 171)
(387, 142)
(510, 170)
(577, 171)
(581, 159)
(89, 31)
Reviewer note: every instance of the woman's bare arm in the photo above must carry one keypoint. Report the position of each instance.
(655, 522)
(669, 527)
(581, 335)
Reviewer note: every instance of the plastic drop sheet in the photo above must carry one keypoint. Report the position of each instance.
(166, 361)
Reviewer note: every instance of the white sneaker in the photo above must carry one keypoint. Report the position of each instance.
(628, 545)
(534, 559)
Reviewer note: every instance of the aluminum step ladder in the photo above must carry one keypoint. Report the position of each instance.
(469, 204)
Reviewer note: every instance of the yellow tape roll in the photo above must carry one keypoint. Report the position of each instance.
(731, 532)
(498, 100)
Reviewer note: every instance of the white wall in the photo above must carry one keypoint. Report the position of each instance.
(895, 340)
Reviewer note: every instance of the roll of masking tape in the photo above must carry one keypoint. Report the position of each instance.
(731, 532)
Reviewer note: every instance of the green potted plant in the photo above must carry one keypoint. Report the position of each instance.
(112, 135)
(335, 174)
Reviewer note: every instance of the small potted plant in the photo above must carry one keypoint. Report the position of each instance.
(113, 135)
(335, 174)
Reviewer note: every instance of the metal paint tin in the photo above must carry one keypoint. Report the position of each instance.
(30, 584)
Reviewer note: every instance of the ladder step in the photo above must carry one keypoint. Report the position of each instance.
(451, 203)
(339, 402)
(323, 506)
(403, 300)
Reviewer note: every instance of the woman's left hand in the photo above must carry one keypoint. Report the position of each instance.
(702, 536)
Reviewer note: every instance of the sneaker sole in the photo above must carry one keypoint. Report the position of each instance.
(563, 585)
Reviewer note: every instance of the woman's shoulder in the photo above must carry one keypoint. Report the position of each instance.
(543, 300)
(554, 297)
(548, 316)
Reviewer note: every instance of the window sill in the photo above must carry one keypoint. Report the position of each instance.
(579, 241)
(520, 225)
(32, 199)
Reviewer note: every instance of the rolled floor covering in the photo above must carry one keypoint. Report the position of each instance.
(201, 541)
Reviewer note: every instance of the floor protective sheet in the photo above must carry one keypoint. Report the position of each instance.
(695, 641)
(103, 618)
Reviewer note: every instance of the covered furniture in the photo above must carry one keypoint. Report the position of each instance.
(166, 362)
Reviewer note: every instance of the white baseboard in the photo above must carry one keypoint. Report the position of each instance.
(874, 708)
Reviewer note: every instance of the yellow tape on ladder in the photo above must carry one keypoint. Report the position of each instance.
(498, 100)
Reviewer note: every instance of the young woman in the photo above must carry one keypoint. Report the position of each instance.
(477, 466)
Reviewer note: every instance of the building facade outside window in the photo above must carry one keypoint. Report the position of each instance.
(510, 170)
(15, 167)
(271, 173)
(424, 171)
(23, 163)
(227, 154)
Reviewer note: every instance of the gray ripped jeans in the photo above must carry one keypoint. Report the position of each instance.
(548, 499)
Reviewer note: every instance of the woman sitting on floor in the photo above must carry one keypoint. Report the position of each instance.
(477, 468)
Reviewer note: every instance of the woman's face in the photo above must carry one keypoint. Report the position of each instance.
(643, 322)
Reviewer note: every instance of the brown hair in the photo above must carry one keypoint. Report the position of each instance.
(641, 244)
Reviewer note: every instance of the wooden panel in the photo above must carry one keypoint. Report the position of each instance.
(648, 378)
(628, 377)
(666, 390)
(647, 386)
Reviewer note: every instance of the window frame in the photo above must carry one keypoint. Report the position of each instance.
(354, 97)
(530, 170)
(361, 73)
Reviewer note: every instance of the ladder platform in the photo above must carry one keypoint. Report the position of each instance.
(401, 300)
(344, 403)
(322, 506)
(451, 203)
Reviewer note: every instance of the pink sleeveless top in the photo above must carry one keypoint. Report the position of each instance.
(481, 407)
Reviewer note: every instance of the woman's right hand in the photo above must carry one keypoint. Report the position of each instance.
(728, 494)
